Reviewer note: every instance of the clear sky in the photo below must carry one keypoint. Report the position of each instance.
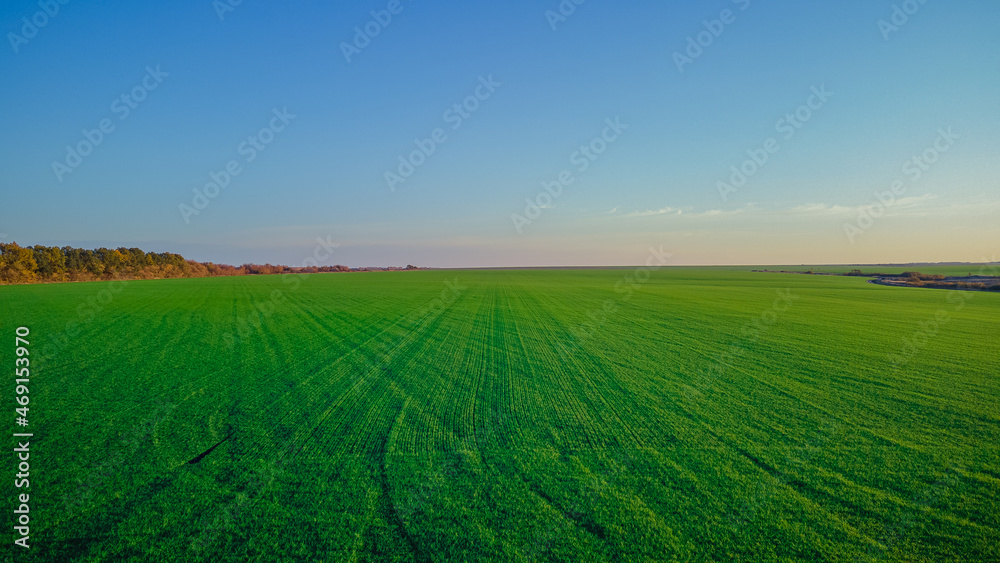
(198, 80)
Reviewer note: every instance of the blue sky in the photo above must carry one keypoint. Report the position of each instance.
(892, 95)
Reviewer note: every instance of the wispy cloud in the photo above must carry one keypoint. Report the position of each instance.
(914, 206)
(932, 205)
(819, 209)
(652, 212)
(719, 213)
(687, 212)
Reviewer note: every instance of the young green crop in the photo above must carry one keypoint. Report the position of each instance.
(705, 415)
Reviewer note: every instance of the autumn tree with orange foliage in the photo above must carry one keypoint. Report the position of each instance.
(44, 264)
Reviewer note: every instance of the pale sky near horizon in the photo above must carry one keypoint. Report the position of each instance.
(840, 98)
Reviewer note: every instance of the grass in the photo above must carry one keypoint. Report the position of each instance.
(703, 415)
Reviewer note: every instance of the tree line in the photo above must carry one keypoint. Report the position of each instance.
(41, 264)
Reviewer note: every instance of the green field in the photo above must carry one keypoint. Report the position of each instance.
(701, 415)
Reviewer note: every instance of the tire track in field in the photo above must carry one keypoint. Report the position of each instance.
(597, 401)
(410, 345)
(413, 339)
(82, 363)
(797, 487)
(777, 476)
(411, 349)
(842, 420)
(634, 390)
(569, 515)
(410, 339)
(328, 370)
(555, 380)
(505, 346)
(113, 375)
(480, 368)
(465, 431)
(434, 387)
(140, 337)
(235, 381)
(445, 423)
(303, 358)
(362, 328)
(442, 392)
(704, 424)
(358, 332)
(500, 399)
(235, 352)
(794, 396)
(268, 362)
(809, 493)
(97, 366)
(801, 487)
(613, 383)
(389, 507)
(371, 381)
